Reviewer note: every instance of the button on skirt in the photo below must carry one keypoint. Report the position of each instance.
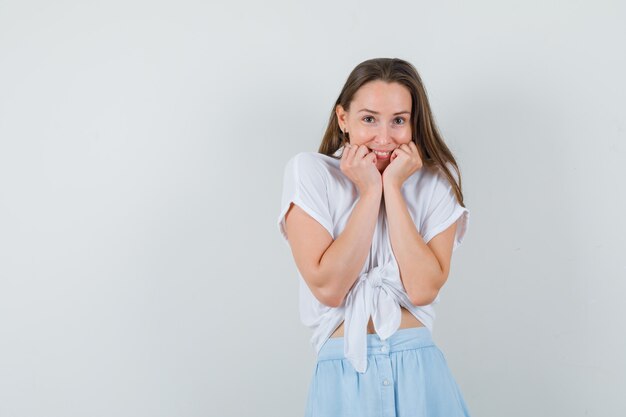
(407, 376)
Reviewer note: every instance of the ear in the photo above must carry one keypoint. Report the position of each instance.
(342, 116)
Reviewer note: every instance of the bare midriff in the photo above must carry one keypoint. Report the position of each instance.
(408, 320)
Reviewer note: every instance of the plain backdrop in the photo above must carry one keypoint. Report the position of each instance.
(142, 148)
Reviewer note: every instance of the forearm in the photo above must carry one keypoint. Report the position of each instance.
(420, 271)
(343, 260)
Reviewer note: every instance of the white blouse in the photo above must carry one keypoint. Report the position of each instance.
(316, 184)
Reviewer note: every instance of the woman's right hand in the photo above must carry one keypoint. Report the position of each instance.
(359, 164)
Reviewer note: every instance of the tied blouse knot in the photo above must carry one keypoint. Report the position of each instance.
(377, 293)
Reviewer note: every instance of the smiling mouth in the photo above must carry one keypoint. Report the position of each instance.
(382, 155)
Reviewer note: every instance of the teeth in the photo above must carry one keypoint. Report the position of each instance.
(382, 153)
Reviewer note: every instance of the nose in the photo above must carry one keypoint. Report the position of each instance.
(383, 135)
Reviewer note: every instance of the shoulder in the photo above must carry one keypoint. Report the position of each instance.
(434, 177)
(312, 163)
(427, 185)
(423, 179)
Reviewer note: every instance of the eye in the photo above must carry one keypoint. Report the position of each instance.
(367, 117)
(401, 120)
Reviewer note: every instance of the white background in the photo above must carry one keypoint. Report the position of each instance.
(142, 147)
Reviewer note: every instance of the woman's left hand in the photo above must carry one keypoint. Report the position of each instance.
(404, 161)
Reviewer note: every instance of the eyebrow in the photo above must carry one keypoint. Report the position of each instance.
(375, 112)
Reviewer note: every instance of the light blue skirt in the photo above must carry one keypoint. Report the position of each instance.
(407, 376)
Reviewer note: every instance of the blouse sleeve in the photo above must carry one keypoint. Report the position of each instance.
(305, 184)
(443, 210)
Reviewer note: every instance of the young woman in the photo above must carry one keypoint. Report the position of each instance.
(372, 220)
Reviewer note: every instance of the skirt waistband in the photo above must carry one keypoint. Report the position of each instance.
(402, 339)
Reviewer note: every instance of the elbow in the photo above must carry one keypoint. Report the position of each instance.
(329, 298)
(332, 302)
(424, 297)
(427, 292)
(326, 292)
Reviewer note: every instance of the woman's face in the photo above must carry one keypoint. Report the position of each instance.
(379, 118)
